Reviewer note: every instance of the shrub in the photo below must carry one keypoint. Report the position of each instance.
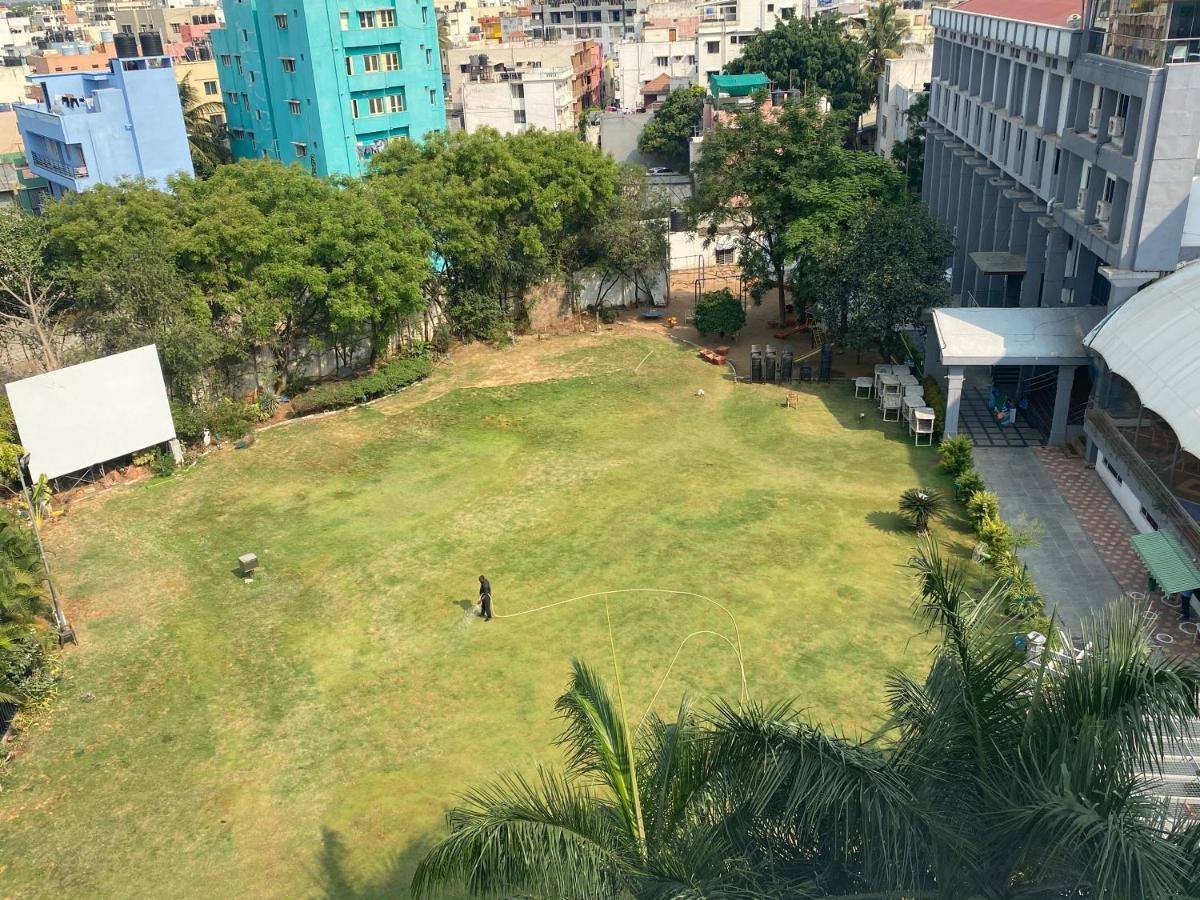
(981, 506)
(189, 421)
(268, 405)
(957, 455)
(608, 314)
(10, 453)
(8, 422)
(28, 667)
(719, 312)
(968, 483)
(919, 506)
(229, 418)
(162, 463)
(385, 380)
(935, 400)
(440, 342)
(998, 537)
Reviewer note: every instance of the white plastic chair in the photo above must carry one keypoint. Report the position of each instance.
(921, 425)
(864, 382)
(891, 404)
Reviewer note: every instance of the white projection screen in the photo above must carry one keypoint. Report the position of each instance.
(76, 417)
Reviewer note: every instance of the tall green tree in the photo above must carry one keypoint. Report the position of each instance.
(817, 56)
(786, 186)
(34, 308)
(628, 243)
(882, 274)
(669, 132)
(882, 36)
(909, 154)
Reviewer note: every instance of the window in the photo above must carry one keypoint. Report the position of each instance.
(354, 109)
(251, 73)
(428, 57)
(210, 89)
(387, 18)
(1110, 188)
(725, 257)
(349, 65)
(237, 133)
(375, 106)
(787, 12)
(281, 21)
(301, 149)
(518, 91)
(245, 36)
(246, 100)
(519, 116)
(289, 63)
(433, 96)
(370, 62)
(240, 67)
(396, 103)
(1057, 159)
(294, 107)
(233, 97)
(883, 127)
(424, 13)
(366, 19)
(661, 61)
(226, 59)
(344, 18)
(391, 62)
(713, 46)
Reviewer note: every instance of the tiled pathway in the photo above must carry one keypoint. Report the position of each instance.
(1109, 530)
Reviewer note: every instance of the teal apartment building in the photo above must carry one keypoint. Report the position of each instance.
(327, 83)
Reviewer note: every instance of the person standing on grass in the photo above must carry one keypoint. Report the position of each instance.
(485, 598)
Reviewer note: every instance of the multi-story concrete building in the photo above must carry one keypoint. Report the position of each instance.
(469, 67)
(328, 86)
(665, 49)
(607, 22)
(516, 101)
(727, 24)
(1062, 149)
(904, 79)
(91, 128)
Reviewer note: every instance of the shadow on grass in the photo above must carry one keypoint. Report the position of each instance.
(889, 522)
(333, 881)
(464, 605)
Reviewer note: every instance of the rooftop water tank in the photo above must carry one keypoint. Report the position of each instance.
(152, 44)
(126, 45)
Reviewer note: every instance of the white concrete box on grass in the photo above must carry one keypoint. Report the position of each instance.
(82, 415)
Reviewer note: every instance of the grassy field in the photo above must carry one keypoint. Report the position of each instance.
(303, 735)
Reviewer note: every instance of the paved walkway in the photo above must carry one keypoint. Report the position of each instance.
(1069, 572)
(976, 421)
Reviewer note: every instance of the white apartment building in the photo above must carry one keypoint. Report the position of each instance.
(903, 80)
(727, 24)
(519, 101)
(665, 49)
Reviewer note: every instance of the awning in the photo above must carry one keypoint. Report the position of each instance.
(1151, 341)
(1015, 336)
(737, 85)
(992, 263)
(1167, 562)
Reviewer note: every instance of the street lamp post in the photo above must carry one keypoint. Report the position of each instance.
(65, 631)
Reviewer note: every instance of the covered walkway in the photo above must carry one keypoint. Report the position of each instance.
(1012, 336)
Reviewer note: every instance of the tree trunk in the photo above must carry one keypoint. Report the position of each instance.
(781, 288)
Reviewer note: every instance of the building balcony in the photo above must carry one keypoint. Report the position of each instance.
(42, 161)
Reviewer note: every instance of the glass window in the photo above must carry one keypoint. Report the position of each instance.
(210, 88)
(391, 61)
(289, 63)
(281, 20)
(366, 19)
(433, 96)
(387, 18)
(349, 65)
(396, 103)
(371, 62)
(301, 150)
(375, 105)
(294, 107)
(344, 18)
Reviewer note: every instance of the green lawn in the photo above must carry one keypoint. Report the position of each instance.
(303, 735)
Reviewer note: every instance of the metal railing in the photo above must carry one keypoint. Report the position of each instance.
(1140, 470)
(60, 168)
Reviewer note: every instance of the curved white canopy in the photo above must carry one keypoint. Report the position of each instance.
(1153, 342)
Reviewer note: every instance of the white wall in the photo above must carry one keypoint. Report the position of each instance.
(639, 62)
(1124, 496)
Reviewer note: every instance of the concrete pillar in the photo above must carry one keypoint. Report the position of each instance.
(1035, 262)
(1056, 265)
(1062, 404)
(954, 386)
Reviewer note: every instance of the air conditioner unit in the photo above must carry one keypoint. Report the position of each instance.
(1081, 199)
(1103, 211)
(1116, 127)
(1094, 119)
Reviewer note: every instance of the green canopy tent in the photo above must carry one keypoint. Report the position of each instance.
(1167, 562)
(737, 85)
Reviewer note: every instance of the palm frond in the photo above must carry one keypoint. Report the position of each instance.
(550, 838)
(596, 740)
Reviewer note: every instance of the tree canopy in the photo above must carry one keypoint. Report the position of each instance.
(785, 185)
(909, 154)
(669, 133)
(817, 56)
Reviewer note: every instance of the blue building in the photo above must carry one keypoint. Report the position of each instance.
(326, 84)
(100, 127)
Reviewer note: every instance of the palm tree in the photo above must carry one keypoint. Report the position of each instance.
(992, 778)
(631, 815)
(920, 506)
(206, 138)
(882, 36)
